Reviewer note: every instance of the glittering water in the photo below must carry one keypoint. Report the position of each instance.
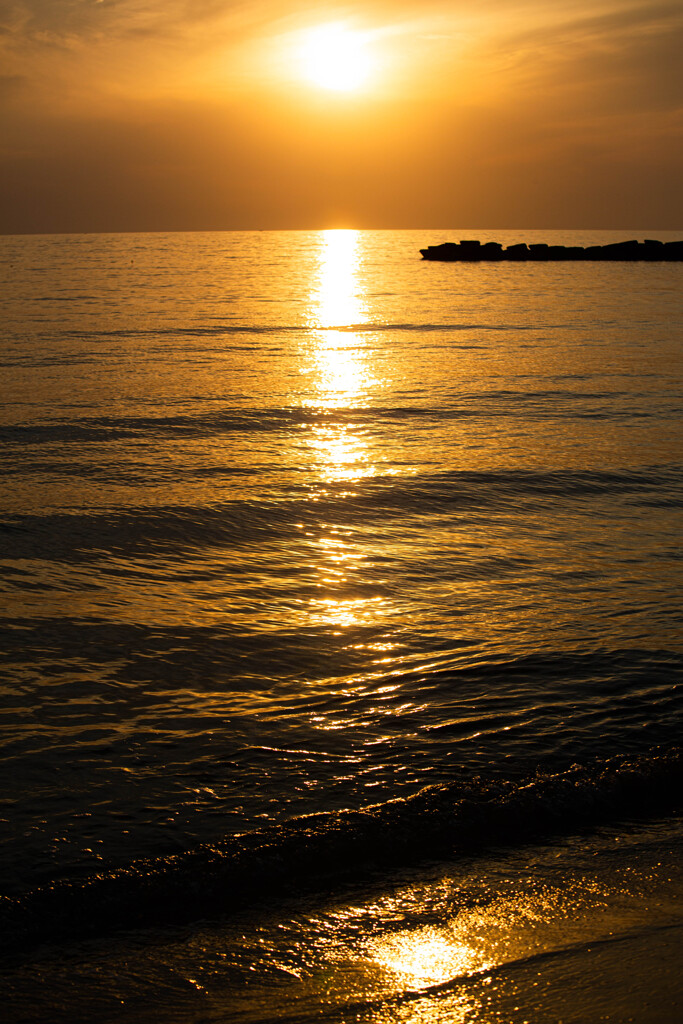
(297, 523)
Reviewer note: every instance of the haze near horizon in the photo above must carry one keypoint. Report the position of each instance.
(133, 115)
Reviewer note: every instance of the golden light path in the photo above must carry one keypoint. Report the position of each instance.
(342, 377)
(426, 956)
(341, 381)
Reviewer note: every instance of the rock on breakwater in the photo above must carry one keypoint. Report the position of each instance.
(472, 251)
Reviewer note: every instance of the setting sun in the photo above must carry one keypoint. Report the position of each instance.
(335, 57)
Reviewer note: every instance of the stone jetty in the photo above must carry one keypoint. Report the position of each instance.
(473, 251)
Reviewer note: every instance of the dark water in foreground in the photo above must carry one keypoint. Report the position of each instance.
(319, 562)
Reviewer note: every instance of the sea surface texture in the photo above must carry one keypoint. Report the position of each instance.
(319, 559)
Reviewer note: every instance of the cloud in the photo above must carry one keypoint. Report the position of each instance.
(67, 20)
(624, 58)
(579, 56)
(10, 84)
(112, 109)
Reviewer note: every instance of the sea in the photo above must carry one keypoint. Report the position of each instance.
(341, 630)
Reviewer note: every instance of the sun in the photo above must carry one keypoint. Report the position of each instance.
(335, 57)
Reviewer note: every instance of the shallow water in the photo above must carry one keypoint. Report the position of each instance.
(582, 930)
(297, 523)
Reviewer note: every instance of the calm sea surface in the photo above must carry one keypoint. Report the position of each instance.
(320, 560)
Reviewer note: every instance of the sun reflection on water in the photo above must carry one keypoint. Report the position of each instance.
(427, 956)
(341, 452)
(348, 612)
(339, 367)
(337, 306)
(338, 300)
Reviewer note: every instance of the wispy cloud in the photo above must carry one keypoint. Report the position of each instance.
(623, 58)
(189, 100)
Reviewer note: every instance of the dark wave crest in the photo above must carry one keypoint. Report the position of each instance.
(132, 530)
(318, 850)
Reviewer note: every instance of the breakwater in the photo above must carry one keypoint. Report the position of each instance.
(472, 251)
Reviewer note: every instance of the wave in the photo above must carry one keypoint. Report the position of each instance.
(126, 530)
(219, 330)
(548, 403)
(386, 1004)
(324, 849)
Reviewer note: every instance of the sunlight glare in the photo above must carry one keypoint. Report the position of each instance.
(335, 57)
(427, 956)
(336, 307)
(339, 304)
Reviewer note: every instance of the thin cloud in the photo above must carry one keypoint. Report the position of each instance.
(627, 57)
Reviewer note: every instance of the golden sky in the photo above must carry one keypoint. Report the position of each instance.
(219, 114)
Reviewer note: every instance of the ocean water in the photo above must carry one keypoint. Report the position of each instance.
(341, 632)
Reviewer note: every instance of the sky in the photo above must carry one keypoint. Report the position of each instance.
(169, 115)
